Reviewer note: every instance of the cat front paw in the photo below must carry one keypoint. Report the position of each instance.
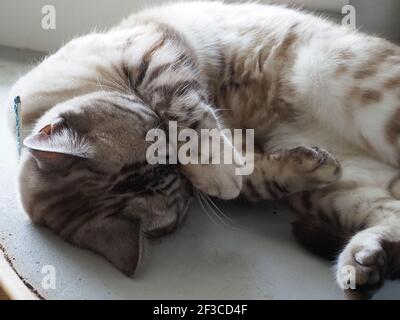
(360, 270)
(217, 180)
(315, 167)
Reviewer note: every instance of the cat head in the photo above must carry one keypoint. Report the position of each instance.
(85, 176)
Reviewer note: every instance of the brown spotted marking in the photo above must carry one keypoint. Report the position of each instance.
(366, 72)
(371, 67)
(392, 83)
(341, 70)
(392, 127)
(343, 65)
(370, 96)
(365, 96)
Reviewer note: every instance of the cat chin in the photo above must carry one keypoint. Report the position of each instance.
(28, 184)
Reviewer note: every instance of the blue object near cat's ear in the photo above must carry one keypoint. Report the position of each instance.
(17, 112)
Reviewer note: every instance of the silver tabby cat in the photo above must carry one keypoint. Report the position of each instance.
(298, 80)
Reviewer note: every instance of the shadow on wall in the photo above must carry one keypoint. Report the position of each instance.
(379, 17)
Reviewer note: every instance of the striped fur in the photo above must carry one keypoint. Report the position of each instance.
(298, 80)
(111, 189)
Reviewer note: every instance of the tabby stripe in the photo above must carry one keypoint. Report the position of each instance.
(76, 207)
(177, 89)
(157, 71)
(132, 167)
(194, 124)
(335, 216)
(115, 210)
(172, 203)
(271, 192)
(326, 217)
(146, 61)
(282, 190)
(79, 220)
(130, 99)
(65, 200)
(289, 39)
(128, 75)
(253, 190)
(174, 189)
(124, 109)
(306, 200)
(120, 72)
(169, 184)
(143, 109)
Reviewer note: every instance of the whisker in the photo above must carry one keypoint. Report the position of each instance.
(103, 85)
(220, 212)
(201, 202)
(212, 211)
(118, 86)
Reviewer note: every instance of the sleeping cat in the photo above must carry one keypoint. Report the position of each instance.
(297, 80)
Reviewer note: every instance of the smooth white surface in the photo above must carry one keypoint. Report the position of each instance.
(202, 260)
(20, 20)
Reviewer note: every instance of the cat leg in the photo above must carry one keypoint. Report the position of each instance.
(356, 225)
(219, 179)
(373, 255)
(288, 171)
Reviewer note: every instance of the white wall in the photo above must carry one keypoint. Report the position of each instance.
(381, 17)
(20, 20)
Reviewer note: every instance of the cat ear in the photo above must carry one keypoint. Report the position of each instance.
(53, 147)
(52, 161)
(118, 239)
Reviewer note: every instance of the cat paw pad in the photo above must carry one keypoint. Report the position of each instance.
(318, 167)
(360, 272)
